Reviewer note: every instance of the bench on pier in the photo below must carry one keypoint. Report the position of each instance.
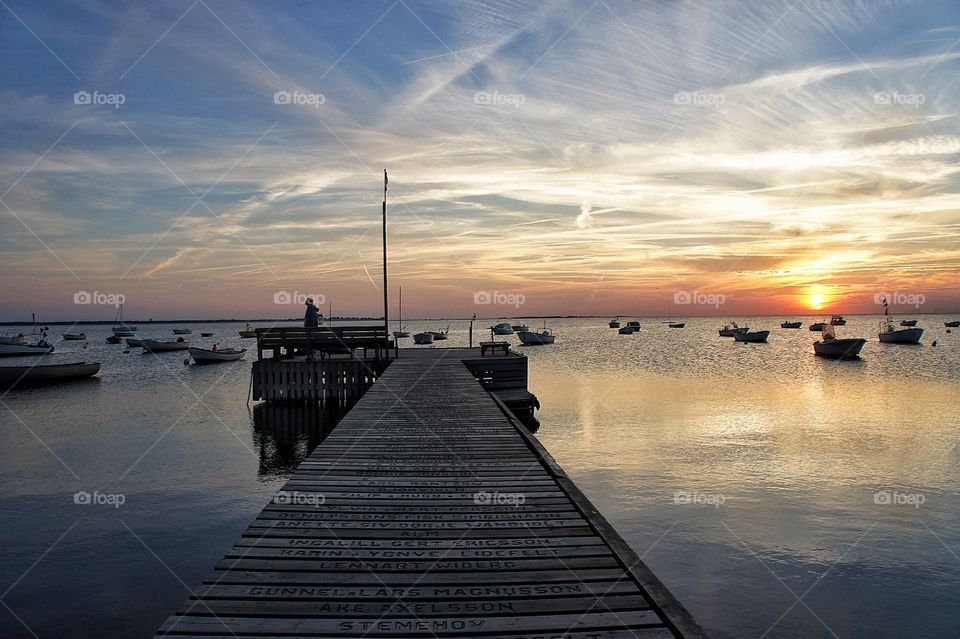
(287, 342)
(494, 346)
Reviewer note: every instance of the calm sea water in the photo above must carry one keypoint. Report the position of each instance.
(776, 494)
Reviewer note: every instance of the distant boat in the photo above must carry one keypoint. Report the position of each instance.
(676, 324)
(156, 346)
(182, 331)
(730, 330)
(830, 346)
(74, 336)
(634, 324)
(818, 326)
(953, 324)
(517, 328)
(791, 324)
(46, 374)
(889, 334)
(122, 330)
(837, 320)
(401, 332)
(537, 338)
(209, 356)
(248, 332)
(908, 323)
(133, 342)
(627, 330)
(502, 329)
(440, 335)
(206, 334)
(754, 336)
(615, 322)
(13, 338)
(11, 350)
(114, 339)
(423, 338)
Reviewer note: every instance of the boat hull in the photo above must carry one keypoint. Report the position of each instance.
(530, 338)
(74, 337)
(11, 376)
(908, 323)
(818, 326)
(756, 336)
(206, 356)
(182, 331)
(399, 334)
(840, 348)
(423, 338)
(163, 347)
(627, 330)
(955, 324)
(133, 342)
(13, 350)
(904, 336)
(677, 325)
(791, 325)
(248, 334)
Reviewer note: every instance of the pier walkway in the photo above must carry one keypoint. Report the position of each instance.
(430, 512)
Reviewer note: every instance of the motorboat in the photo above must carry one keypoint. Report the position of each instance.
(399, 334)
(182, 331)
(13, 338)
(114, 339)
(890, 334)
(206, 334)
(423, 338)
(908, 323)
(502, 329)
(627, 330)
(676, 324)
(818, 326)
(791, 324)
(248, 332)
(536, 338)
(440, 335)
(953, 324)
(133, 342)
(634, 324)
(11, 376)
(518, 328)
(215, 355)
(157, 346)
(830, 346)
(752, 336)
(11, 350)
(730, 330)
(73, 337)
(837, 320)
(615, 322)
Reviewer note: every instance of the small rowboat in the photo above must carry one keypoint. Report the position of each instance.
(502, 329)
(155, 346)
(423, 338)
(676, 324)
(206, 334)
(627, 330)
(206, 356)
(182, 331)
(124, 331)
(817, 326)
(10, 350)
(791, 325)
(908, 323)
(114, 339)
(74, 336)
(752, 336)
(615, 322)
(536, 338)
(11, 376)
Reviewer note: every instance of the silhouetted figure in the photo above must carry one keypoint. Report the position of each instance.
(311, 319)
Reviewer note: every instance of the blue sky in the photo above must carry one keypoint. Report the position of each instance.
(594, 157)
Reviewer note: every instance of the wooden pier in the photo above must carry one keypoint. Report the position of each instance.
(430, 512)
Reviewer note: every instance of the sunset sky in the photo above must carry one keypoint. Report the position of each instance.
(588, 157)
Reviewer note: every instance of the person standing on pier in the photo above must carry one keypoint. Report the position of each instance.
(311, 319)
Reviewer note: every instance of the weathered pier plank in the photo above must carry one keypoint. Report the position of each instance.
(430, 512)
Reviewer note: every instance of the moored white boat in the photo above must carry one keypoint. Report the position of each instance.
(537, 338)
(74, 336)
(730, 330)
(182, 331)
(502, 329)
(889, 334)
(10, 350)
(615, 322)
(830, 346)
(210, 356)
(423, 338)
(157, 346)
(517, 328)
(752, 336)
(124, 331)
(46, 373)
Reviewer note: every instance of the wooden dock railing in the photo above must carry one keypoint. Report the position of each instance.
(285, 342)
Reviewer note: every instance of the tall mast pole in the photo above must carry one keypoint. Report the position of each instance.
(386, 309)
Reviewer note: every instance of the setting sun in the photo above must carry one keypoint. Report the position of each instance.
(817, 301)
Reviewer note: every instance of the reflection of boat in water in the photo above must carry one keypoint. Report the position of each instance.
(791, 324)
(286, 433)
(830, 346)
(11, 376)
